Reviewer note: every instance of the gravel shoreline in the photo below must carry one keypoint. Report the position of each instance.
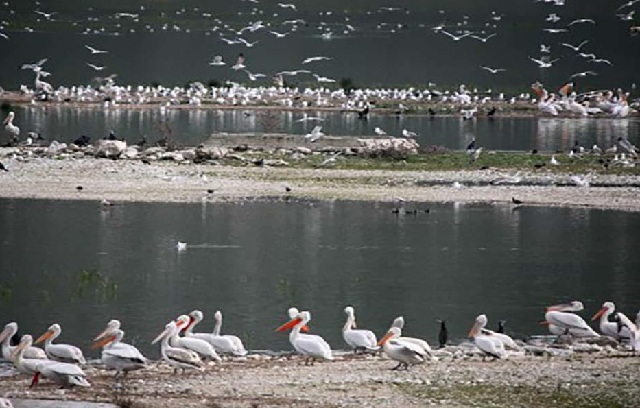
(164, 181)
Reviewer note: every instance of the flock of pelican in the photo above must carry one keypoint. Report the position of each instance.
(183, 349)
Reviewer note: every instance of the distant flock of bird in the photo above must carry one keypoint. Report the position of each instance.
(183, 349)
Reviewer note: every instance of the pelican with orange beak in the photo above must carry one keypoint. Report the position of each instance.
(178, 358)
(227, 344)
(633, 329)
(201, 347)
(63, 374)
(119, 356)
(64, 353)
(309, 345)
(610, 328)
(405, 353)
(562, 322)
(488, 344)
(5, 337)
(398, 323)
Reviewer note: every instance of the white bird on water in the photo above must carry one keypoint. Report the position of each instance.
(379, 131)
(181, 246)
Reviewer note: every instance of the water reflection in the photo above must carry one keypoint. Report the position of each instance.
(254, 260)
(192, 126)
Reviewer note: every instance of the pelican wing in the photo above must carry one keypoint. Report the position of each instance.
(421, 344)
(125, 351)
(65, 352)
(569, 321)
(200, 346)
(361, 338)
(490, 345)
(405, 352)
(183, 356)
(312, 346)
(60, 368)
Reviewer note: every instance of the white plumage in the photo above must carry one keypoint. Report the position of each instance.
(489, 344)
(10, 329)
(405, 353)
(357, 339)
(309, 345)
(179, 358)
(568, 323)
(65, 353)
(227, 344)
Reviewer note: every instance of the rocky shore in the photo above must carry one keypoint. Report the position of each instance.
(561, 377)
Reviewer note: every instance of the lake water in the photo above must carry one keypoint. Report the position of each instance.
(74, 263)
(192, 126)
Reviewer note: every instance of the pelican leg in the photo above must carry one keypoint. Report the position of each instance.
(397, 367)
(35, 380)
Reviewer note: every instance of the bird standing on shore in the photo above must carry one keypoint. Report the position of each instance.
(443, 334)
(13, 130)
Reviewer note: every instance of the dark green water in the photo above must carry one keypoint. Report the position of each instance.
(254, 260)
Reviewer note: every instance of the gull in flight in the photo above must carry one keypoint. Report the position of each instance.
(553, 17)
(575, 47)
(627, 4)
(3, 35)
(279, 35)
(313, 59)
(217, 61)
(454, 37)
(483, 39)
(95, 50)
(585, 55)
(627, 17)
(581, 21)
(288, 5)
(544, 64)
(601, 60)
(46, 15)
(315, 134)
(323, 79)
(555, 30)
(247, 43)
(254, 77)
(583, 74)
(296, 72)
(36, 67)
(493, 70)
(230, 42)
(96, 67)
(546, 49)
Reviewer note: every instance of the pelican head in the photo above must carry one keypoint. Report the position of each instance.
(9, 330)
(169, 330)
(393, 333)
(183, 322)
(113, 336)
(53, 331)
(9, 118)
(292, 312)
(195, 317)
(217, 315)
(607, 307)
(112, 326)
(481, 321)
(301, 319)
(25, 342)
(398, 322)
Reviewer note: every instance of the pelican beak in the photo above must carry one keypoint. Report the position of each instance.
(45, 336)
(180, 323)
(474, 330)
(18, 349)
(289, 325)
(103, 342)
(600, 313)
(4, 334)
(385, 339)
(160, 336)
(101, 335)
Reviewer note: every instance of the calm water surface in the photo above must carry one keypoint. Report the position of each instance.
(191, 127)
(253, 260)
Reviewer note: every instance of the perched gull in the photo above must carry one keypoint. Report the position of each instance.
(379, 131)
(217, 61)
(408, 133)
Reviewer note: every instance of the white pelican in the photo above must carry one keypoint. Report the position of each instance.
(634, 331)
(63, 374)
(12, 129)
(119, 356)
(65, 353)
(5, 337)
(201, 347)
(360, 340)
(228, 343)
(506, 341)
(309, 345)
(176, 357)
(610, 328)
(398, 322)
(561, 322)
(489, 344)
(405, 353)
